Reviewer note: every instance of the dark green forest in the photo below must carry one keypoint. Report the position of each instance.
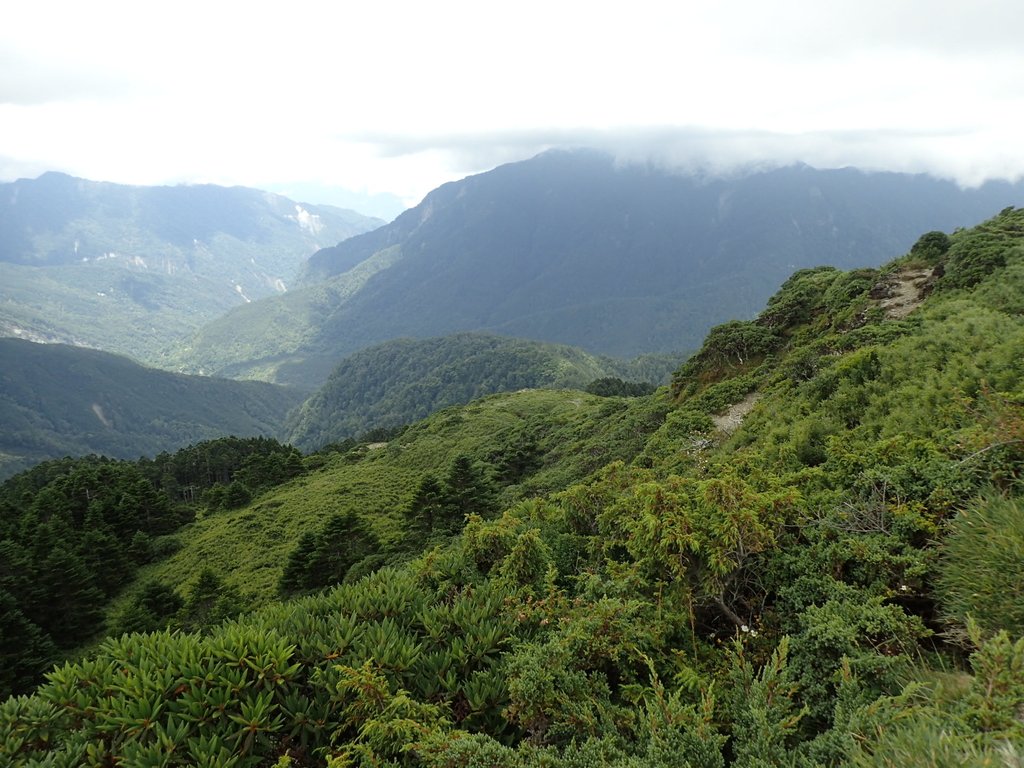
(57, 400)
(805, 551)
(74, 533)
(405, 380)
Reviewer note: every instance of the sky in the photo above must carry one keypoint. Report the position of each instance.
(380, 103)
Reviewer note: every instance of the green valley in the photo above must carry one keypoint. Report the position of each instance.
(529, 443)
(134, 269)
(57, 400)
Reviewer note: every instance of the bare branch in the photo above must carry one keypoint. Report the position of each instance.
(987, 448)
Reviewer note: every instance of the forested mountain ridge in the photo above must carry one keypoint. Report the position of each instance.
(572, 248)
(804, 552)
(402, 381)
(129, 269)
(57, 400)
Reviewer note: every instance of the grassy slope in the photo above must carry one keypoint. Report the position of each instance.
(952, 344)
(571, 433)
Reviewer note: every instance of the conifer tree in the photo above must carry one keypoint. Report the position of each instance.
(468, 491)
(425, 510)
(295, 577)
(342, 543)
(70, 605)
(209, 602)
(25, 650)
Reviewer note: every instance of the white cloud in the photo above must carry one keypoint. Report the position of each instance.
(401, 96)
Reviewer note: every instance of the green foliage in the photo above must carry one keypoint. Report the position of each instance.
(874, 640)
(987, 248)
(763, 709)
(152, 608)
(799, 299)
(173, 704)
(553, 439)
(677, 733)
(441, 508)
(569, 685)
(74, 532)
(231, 496)
(820, 298)
(209, 602)
(25, 650)
(141, 549)
(426, 508)
(733, 344)
(611, 386)
(295, 576)
(225, 470)
(379, 725)
(325, 559)
(948, 719)
(841, 298)
(750, 575)
(697, 534)
(996, 697)
(931, 247)
(979, 574)
(467, 490)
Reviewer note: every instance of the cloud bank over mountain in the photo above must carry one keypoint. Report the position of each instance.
(400, 97)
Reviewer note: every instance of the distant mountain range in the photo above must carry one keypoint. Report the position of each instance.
(130, 269)
(414, 316)
(573, 248)
(58, 400)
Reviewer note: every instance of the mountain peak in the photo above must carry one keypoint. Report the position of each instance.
(571, 247)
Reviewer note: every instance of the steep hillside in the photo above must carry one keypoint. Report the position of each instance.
(129, 269)
(526, 444)
(570, 247)
(120, 521)
(402, 381)
(57, 400)
(806, 552)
